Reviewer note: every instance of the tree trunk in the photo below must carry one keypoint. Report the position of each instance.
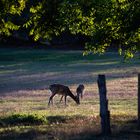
(139, 100)
(104, 112)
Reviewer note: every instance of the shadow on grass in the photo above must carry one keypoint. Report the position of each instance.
(69, 127)
(57, 119)
(30, 134)
(23, 69)
(63, 119)
(25, 119)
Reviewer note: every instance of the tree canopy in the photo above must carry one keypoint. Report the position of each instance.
(106, 22)
(9, 10)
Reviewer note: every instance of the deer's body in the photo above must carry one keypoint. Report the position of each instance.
(80, 90)
(62, 90)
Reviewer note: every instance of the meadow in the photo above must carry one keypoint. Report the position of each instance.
(25, 75)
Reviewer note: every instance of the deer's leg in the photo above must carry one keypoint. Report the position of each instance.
(65, 99)
(51, 98)
(61, 99)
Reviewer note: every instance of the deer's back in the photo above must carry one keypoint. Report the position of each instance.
(59, 89)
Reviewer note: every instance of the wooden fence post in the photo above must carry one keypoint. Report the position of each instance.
(139, 100)
(104, 112)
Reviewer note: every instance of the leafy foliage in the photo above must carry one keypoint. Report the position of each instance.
(114, 26)
(106, 22)
(9, 9)
(44, 20)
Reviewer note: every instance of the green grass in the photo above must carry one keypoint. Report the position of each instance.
(25, 75)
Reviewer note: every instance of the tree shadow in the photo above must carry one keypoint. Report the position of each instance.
(58, 127)
(37, 69)
(57, 119)
(127, 130)
(30, 134)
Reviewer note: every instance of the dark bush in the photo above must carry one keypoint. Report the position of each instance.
(22, 119)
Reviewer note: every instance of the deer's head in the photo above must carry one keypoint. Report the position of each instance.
(77, 100)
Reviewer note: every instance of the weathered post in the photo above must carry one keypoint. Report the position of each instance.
(104, 112)
(139, 100)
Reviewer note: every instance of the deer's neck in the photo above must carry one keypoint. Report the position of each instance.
(75, 98)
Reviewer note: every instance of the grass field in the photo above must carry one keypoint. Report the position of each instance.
(25, 75)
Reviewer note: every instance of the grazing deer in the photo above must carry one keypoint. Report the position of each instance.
(62, 90)
(79, 91)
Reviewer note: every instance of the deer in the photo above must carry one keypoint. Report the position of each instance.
(79, 91)
(62, 90)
